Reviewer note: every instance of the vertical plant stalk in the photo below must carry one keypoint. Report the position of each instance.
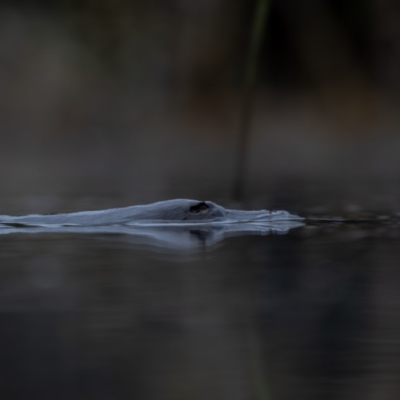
(250, 74)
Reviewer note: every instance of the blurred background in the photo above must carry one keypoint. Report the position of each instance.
(282, 104)
(143, 100)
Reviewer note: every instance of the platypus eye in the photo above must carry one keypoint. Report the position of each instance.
(201, 208)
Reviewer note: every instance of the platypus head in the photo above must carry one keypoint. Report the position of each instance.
(194, 211)
(182, 211)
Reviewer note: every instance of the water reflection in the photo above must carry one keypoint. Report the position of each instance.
(309, 314)
(176, 238)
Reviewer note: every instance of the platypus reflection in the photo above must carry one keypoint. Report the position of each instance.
(179, 212)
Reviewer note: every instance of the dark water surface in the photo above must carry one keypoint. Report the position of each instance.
(312, 314)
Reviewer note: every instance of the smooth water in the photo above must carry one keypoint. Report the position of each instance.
(311, 314)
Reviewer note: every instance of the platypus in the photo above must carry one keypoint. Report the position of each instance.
(178, 212)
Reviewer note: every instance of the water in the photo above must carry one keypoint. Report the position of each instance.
(308, 314)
